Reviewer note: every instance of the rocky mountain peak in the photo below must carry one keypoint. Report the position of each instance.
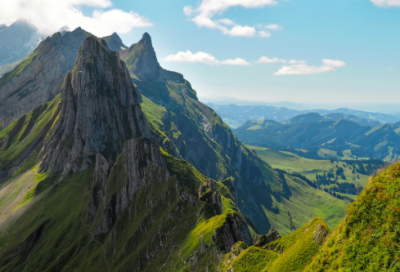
(99, 111)
(142, 59)
(114, 42)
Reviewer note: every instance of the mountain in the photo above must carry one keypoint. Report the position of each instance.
(195, 133)
(38, 78)
(104, 196)
(16, 42)
(343, 138)
(125, 170)
(114, 42)
(235, 115)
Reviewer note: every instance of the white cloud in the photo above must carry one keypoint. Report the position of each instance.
(304, 69)
(264, 34)
(209, 8)
(333, 63)
(264, 59)
(227, 22)
(237, 61)
(49, 16)
(386, 3)
(238, 30)
(273, 27)
(293, 61)
(202, 57)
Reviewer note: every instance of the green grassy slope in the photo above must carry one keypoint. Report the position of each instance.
(309, 167)
(368, 238)
(289, 253)
(64, 241)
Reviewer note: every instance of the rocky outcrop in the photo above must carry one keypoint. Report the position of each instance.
(232, 231)
(139, 165)
(262, 240)
(142, 59)
(208, 192)
(100, 110)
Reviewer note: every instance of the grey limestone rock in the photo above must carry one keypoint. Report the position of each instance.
(42, 78)
(99, 111)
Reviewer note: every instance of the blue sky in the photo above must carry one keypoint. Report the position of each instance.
(358, 39)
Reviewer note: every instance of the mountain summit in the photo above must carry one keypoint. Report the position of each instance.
(142, 59)
(99, 111)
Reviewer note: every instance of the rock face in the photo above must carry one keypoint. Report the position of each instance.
(262, 240)
(142, 60)
(17, 41)
(100, 110)
(38, 79)
(42, 77)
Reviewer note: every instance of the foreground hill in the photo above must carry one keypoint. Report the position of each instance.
(366, 240)
(343, 139)
(272, 253)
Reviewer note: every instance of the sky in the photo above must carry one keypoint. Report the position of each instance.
(330, 52)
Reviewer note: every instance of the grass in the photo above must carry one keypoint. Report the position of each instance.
(368, 238)
(299, 247)
(289, 253)
(307, 167)
(25, 130)
(18, 69)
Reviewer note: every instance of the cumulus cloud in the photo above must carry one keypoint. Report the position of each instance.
(264, 34)
(301, 68)
(273, 27)
(386, 3)
(293, 61)
(204, 13)
(264, 59)
(202, 57)
(49, 16)
(237, 61)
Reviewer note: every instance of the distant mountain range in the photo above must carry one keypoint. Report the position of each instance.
(17, 41)
(235, 116)
(326, 136)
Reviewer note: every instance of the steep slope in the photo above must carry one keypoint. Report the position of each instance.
(113, 201)
(38, 78)
(290, 253)
(367, 239)
(198, 134)
(194, 132)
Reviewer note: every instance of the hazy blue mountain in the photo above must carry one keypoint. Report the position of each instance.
(235, 116)
(342, 138)
(16, 42)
